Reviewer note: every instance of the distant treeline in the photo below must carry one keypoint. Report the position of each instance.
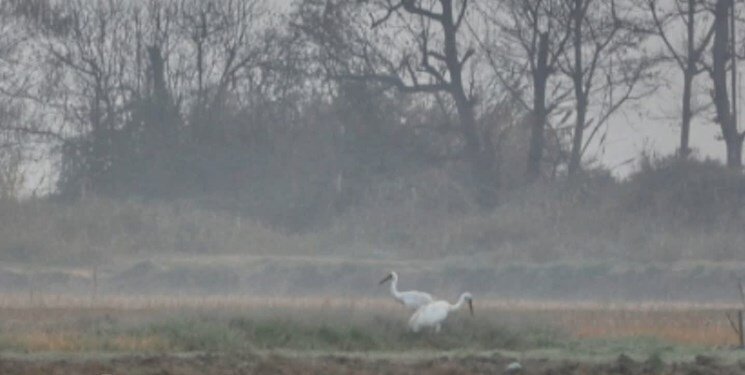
(296, 117)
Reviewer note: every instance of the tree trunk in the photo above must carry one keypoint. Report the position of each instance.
(579, 93)
(538, 117)
(578, 136)
(734, 151)
(100, 141)
(482, 159)
(685, 127)
(688, 73)
(721, 54)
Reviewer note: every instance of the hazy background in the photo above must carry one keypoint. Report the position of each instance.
(651, 125)
(260, 148)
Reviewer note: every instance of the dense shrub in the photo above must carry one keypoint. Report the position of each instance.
(669, 210)
(686, 191)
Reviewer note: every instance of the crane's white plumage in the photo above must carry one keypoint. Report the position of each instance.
(412, 299)
(434, 313)
(513, 368)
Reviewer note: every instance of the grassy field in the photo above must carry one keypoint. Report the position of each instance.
(228, 335)
(224, 324)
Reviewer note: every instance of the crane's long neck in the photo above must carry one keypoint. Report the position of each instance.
(394, 286)
(459, 304)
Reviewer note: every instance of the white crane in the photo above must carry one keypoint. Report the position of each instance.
(412, 299)
(434, 313)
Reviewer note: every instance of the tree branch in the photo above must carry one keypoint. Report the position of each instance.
(661, 31)
(409, 6)
(389, 12)
(461, 15)
(396, 82)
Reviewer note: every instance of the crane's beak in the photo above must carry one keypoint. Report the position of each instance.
(470, 306)
(386, 279)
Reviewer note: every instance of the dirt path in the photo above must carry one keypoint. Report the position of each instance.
(332, 365)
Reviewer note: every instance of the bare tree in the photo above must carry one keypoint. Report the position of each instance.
(103, 60)
(89, 65)
(23, 133)
(537, 30)
(225, 50)
(604, 63)
(722, 54)
(694, 16)
(417, 47)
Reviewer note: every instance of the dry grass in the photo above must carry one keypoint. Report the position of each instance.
(52, 341)
(425, 215)
(130, 324)
(698, 327)
(98, 229)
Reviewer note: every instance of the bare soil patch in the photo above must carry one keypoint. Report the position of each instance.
(331, 365)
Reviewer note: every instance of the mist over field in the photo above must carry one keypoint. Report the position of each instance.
(238, 176)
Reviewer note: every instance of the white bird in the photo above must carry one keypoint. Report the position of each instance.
(513, 368)
(412, 299)
(434, 313)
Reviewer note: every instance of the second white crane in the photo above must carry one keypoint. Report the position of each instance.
(412, 299)
(433, 314)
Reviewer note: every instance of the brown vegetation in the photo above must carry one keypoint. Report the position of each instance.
(669, 211)
(150, 336)
(131, 324)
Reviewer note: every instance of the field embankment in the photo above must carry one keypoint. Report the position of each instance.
(323, 276)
